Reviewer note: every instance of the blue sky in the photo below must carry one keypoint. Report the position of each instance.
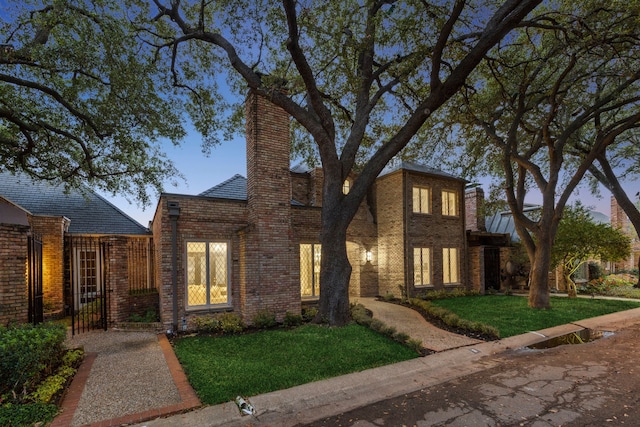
(202, 172)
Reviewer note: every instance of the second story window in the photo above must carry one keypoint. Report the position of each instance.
(421, 200)
(449, 203)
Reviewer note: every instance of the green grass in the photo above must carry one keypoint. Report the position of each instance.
(222, 367)
(512, 316)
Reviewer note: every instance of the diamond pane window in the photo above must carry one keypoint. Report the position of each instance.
(450, 266)
(207, 274)
(310, 270)
(421, 266)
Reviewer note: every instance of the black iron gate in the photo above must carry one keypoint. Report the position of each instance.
(34, 278)
(87, 298)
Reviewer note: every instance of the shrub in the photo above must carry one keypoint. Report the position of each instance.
(388, 297)
(595, 270)
(264, 319)
(452, 320)
(206, 324)
(28, 354)
(309, 313)
(27, 414)
(291, 319)
(414, 344)
(149, 316)
(230, 323)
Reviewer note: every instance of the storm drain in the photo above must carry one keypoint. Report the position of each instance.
(578, 337)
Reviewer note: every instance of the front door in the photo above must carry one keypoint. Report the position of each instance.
(491, 269)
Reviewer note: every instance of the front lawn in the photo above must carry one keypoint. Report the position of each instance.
(512, 316)
(222, 367)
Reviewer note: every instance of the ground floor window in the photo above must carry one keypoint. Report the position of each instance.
(207, 274)
(450, 266)
(421, 266)
(310, 270)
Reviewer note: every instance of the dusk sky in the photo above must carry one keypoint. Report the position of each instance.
(201, 172)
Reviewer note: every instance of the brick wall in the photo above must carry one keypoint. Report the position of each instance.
(52, 229)
(474, 212)
(202, 219)
(14, 305)
(437, 231)
(390, 214)
(269, 254)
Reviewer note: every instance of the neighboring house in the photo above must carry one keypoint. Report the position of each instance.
(503, 222)
(620, 220)
(86, 250)
(248, 245)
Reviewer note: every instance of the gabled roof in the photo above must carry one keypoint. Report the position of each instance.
(89, 213)
(395, 166)
(234, 188)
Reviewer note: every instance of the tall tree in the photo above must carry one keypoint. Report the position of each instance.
(566, 72)
(80, 101)
(580, 239)
(362, 79)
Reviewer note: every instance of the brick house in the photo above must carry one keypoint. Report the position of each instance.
(85, 250)
(252, 244)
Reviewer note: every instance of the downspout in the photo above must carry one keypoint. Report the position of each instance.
(174, 213)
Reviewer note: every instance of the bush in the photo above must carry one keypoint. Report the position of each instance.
(291, 320)
(28, 354)
(206, 324)
(27, 414)
(444, 293)
(309, 313)
(149, 316)
(452, 320)
(230, 323)
(595, 270)
(264, 319)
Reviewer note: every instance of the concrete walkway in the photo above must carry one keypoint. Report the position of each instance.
(307, 403)
(413, 324)
(456, 357)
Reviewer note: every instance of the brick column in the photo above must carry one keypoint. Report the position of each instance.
(267, 252)
(14, 305)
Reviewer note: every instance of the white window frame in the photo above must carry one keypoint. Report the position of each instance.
(450, 203)
(450, 267)
(420, 256)
(207, 273)
(421, 199)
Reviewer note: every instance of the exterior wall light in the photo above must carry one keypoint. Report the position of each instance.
(368, 256)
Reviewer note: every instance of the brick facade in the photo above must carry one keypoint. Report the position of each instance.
(267, 282)
(283, 210)
(14, 305)
(52, 230)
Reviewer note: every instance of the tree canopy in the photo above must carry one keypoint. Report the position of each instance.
(82, 101)
(580, 238)
(568, 77)
(360, 80)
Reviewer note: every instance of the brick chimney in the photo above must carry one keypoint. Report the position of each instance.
(474, 212)
(267, 254)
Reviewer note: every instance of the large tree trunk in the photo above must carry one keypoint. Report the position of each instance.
(335, 273)
(539, 276)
